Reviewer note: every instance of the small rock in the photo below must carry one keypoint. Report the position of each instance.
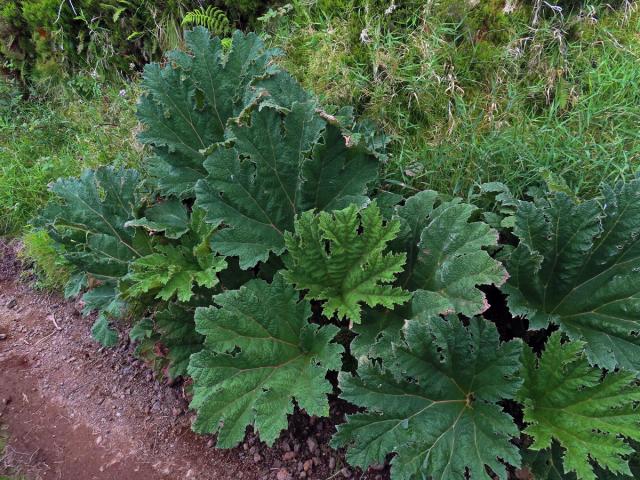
(99, 440)
(346, 473)
(332, 463)
(307, 465)
(286, 447)
(377, 467)
(302, 475)
(245, 446)
(257, 458)
(210, 443)
(300, 466)
(316, 461)
(288, 456)
(312, 444)
(3, 336)
(12, 303)
(252, 450)
(176, 411)
(283, 474)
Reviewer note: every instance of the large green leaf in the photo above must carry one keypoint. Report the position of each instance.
(435, 403)
(340, 257)
(577, 266)
(275, 170)
(568, 400)
(188, 102)
(446, 259)
(88, 216)
(260, 354)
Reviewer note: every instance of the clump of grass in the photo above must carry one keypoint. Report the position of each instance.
(43, 256)
(58, 134)
(479, 91)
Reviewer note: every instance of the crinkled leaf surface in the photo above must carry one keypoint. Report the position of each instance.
(446, 260)
(435, 404)
(178, 334)
(260, 354)
(175, 268)
(567, 400)
(172, 271)
(340, 257)
(578, 265)
(88, 215)
(275, 170)
(188, 103)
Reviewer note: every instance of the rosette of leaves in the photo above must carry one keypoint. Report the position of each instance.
(277, 166)
(188, 103)
(180, 261)
(340, 257)
(447, 260)
(577, 266)
(434, 402)
(257, 361)
(87, 216)
(589, 415)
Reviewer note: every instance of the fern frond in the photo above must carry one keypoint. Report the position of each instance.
(212, 18)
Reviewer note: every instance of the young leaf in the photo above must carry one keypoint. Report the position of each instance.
(567, 400)
(340, 257)
(172, 271)
(435, 403)
(576, 266)
(260, 354)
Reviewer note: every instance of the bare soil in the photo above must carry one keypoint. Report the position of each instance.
(72, 411)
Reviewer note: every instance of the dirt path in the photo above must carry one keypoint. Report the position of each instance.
(74, 412)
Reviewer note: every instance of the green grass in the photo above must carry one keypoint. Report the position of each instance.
(43, 258)
(478, 94)
(59, 134)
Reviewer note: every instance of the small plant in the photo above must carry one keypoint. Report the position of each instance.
(212, 18)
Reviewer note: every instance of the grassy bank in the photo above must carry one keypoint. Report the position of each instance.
(58, 133)
(497, 91)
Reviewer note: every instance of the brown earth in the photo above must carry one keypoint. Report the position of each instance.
(72, 411)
